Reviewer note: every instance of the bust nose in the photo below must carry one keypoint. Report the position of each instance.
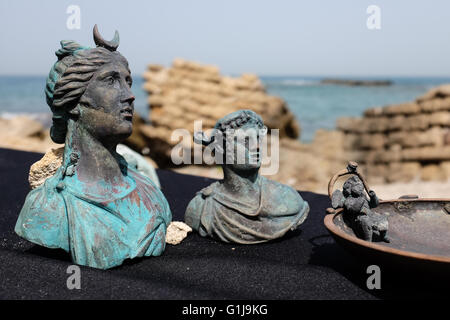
(127, 94)
(128, 97)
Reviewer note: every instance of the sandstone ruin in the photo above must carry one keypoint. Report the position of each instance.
(189, 91)
(402, 142)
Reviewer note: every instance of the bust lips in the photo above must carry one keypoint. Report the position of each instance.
(127, 113)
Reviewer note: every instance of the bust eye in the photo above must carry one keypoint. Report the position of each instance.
(129, 81)
(110, 80)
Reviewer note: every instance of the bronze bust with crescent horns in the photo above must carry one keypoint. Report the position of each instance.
(96, 206)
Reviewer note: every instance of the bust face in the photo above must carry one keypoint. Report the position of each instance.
(107, 105)
(243, 148)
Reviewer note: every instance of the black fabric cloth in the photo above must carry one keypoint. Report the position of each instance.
(305, 264)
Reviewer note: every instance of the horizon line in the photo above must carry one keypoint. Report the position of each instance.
(333, 76)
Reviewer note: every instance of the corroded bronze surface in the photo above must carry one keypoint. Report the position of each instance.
(357, 213)
(96, 206)
(418, 230)
(243, 207)
(419, 237)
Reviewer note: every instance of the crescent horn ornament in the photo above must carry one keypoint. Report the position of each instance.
(110, 45)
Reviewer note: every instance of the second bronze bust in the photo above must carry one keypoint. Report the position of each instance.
(244, 207)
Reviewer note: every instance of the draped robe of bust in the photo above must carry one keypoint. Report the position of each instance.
(232, 219)
(100, 231)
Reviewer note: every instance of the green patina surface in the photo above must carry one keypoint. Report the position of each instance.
(97, 207)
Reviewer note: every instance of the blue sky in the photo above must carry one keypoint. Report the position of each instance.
(317, 38)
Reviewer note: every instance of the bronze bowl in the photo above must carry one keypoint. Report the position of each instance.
(419, 230)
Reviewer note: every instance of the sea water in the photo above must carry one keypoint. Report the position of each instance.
(316, 105)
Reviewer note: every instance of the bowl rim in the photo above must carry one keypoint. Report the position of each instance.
(335, 230)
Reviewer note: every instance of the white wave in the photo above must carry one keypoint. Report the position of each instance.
(299, 82)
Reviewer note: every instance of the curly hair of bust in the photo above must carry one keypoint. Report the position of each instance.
(69, 78)
(238, 120)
